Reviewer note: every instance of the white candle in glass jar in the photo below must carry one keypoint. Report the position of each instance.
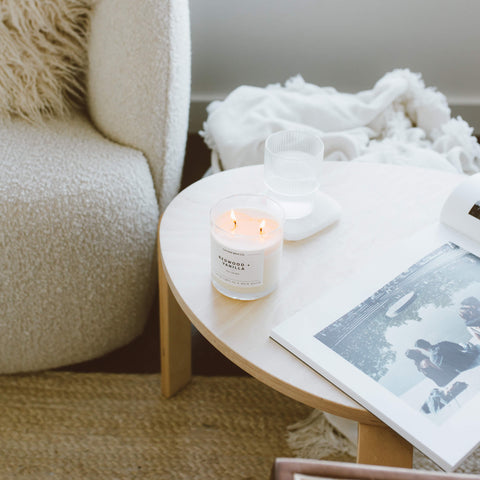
(246, 246)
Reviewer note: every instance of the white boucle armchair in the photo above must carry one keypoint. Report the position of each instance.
(80, 198)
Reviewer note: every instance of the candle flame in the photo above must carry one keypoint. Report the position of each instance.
(234, 218)
(262, 226)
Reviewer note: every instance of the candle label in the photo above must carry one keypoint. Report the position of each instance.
(236, 268)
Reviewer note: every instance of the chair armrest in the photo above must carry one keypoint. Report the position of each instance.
(138, 84)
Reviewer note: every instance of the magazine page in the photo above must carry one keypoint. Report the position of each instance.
(462, 208)
(401, 338)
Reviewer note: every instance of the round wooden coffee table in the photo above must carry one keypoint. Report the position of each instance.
(381, 204)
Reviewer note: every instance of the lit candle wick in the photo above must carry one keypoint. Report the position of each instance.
(234, 219)
(262, 226)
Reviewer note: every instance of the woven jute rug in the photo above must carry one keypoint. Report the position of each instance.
(109, 426)
(60, 425)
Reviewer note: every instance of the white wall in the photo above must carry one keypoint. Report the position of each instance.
(348, 44)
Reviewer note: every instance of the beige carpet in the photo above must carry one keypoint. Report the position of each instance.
(109, 426)
(99, 426)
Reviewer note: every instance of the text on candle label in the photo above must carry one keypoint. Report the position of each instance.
(237, 268)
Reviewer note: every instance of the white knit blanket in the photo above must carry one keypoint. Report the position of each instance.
(399, 121)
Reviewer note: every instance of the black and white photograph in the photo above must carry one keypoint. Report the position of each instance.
(419, 335)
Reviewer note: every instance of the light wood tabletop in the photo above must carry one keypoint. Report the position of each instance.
(381, 204)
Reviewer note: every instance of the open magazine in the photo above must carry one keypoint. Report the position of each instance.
(402, 337)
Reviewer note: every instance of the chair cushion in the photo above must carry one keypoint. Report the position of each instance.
(78, 218)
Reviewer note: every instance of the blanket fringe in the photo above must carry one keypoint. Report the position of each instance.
(315, 437)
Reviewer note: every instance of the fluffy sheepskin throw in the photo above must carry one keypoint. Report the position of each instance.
(43, 57)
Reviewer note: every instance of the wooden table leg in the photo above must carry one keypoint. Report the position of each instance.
(380, 445)
(175, 340)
